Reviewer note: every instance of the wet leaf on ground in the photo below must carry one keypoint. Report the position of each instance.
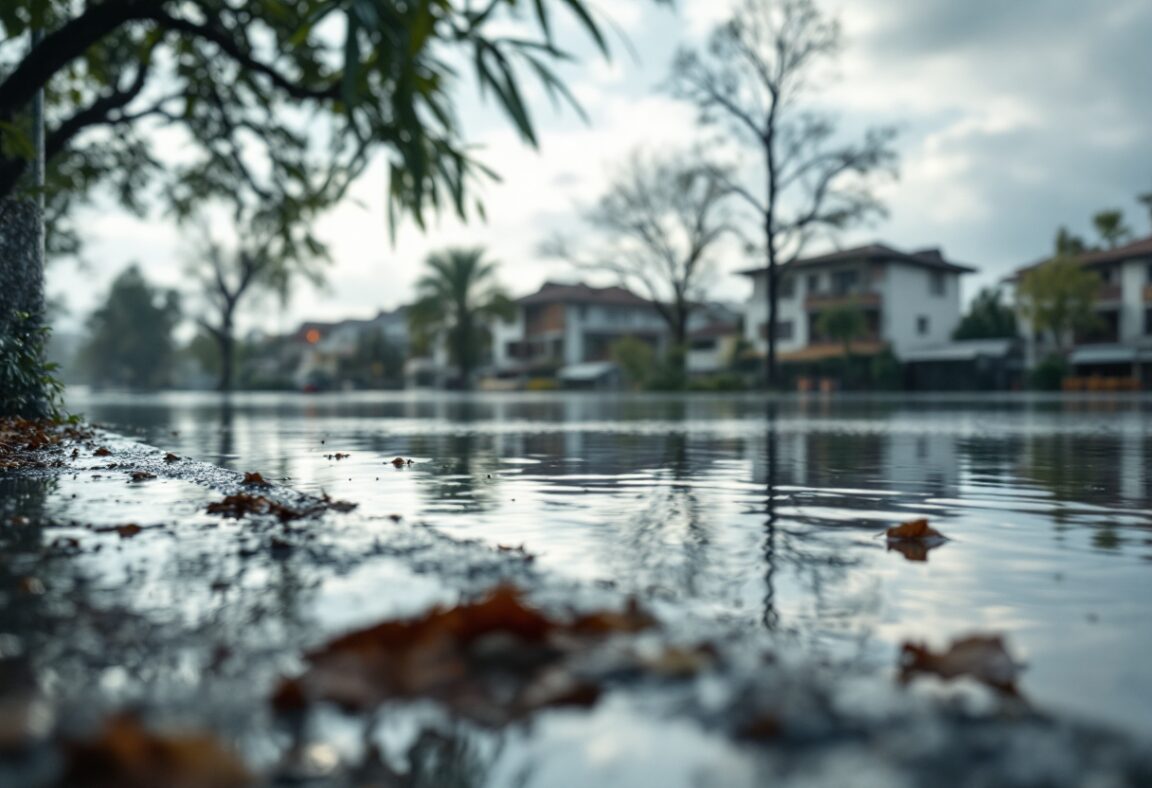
(254, 479)
(400, 462)
(101, 452)
(124, 754)
(241, 504)
(170, 457)
(981, 657)
(142, 476)
(493, 660)
(125, 530)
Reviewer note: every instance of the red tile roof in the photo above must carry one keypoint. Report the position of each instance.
(928, 258)
(1142, 247)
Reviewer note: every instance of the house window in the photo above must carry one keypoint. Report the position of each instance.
(922, 325)
(844, 282)
(1148, 322)
(1148, 273)
(813, 283)
(787, 286)
(936, 284)
(783, 330)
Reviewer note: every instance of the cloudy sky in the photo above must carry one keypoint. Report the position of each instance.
(1014, 118)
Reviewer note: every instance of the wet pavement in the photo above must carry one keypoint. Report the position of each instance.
(765, 549)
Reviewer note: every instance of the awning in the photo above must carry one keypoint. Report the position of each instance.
(832, 350)
(1106, 354)
(965, 350)
(592, 370)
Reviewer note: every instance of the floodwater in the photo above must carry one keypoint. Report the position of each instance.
(763, 515)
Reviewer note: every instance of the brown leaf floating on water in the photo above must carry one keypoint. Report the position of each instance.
(126, 755)
(493, 660)
(981, 657)
(142, 476)
(400, 462)
(914, 529)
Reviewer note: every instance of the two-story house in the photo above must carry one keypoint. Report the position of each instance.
(1120, 344)
(909, 300)
(563, 328)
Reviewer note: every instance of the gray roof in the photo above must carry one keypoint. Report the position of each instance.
(926, 258)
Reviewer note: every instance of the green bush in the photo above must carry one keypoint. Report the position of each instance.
(28, 384)
(1049, 374)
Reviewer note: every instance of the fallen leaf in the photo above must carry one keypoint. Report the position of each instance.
(399, 462)
(337, 456)
(492, 660)
(914, 529)
(126, 531)
(101, 452)
(981, 657)
(142, 476)
(240, 504)
(31, 585)
(123, 754)
(254, 479)
(170, 457)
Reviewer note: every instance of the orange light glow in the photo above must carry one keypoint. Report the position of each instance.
(312, 336)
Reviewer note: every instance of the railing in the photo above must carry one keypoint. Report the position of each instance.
(1109, 292)
(862, 298)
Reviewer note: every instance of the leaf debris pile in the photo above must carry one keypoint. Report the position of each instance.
(240, 504)
(24, 442)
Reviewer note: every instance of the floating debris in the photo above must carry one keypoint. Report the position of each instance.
(981, 657)
(170, 457)
(142, 476)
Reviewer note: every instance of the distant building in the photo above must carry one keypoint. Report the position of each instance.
(1121, 344)
(351, 353)
(567, 331)
(910, 301)
(714, 335)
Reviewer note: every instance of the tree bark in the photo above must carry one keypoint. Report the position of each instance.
(21, 311)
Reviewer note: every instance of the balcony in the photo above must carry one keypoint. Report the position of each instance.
(1110, 293)
(860, 298)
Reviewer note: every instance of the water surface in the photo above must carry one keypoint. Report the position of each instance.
(761, 513)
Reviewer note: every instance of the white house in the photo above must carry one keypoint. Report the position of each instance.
(1121, 343)
(910, 301)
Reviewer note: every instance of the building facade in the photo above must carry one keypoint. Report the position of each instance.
(1120, 344)
(566, 325)
(909, 301)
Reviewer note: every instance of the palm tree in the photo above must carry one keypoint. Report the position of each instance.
(1111, 228)
(456, 299)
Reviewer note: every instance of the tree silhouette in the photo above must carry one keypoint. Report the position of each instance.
(659, 219)
(988, 318)
(751, 77)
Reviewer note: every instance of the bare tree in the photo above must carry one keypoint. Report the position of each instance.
(657, 222)
(751, 78)
(229, 277)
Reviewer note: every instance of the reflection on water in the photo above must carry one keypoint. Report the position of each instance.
(764, 514)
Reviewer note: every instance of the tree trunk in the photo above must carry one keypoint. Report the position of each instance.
(227, 344)
(22, 377)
